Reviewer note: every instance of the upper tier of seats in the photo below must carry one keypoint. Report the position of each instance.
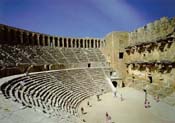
(15, 55)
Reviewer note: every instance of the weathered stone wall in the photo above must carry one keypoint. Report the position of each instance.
(152, 31)
(115, 43)
(151, 54)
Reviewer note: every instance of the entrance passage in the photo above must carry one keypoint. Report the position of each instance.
(114, 84)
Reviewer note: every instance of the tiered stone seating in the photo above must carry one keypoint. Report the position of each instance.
(43, 53)
(99, 77)
(100, 55)
(80, 54)
(57, 90)
(55, 52)
(69, 55)
(91, 54)
(5, 58)
(13, 55)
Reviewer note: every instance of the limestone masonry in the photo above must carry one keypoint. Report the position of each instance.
(143, 58)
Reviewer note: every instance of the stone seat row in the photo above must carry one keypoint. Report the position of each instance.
(52, 91)
(12, 55)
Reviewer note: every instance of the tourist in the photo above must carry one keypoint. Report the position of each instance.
(115, 93)
(108, 118)
(145, 94)
(157, 98)
(98, 97)
(82, 110)
(121, 97)
(88, 104)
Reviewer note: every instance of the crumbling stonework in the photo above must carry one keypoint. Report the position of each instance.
(151, 59)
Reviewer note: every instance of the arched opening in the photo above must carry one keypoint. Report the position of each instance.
(88, 45)
(77, 42)
(69, 42)
(12, 36)
(81, 43)
(60, 42)
(51, 41)
(85, 41)
(95, 43)
(92, 43)
(25, 38)
(41, 40)
(46, 40)
(65, 42)
(18, 36)
(98, 43)
(56, 41)
(73, 43)
(30, 38)
(35, 40)
(115, 83)
(89, 65)
(150, 78)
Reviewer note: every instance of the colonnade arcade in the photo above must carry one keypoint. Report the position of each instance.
(10, 35)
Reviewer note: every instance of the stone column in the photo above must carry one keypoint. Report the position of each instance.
(71, 42)
(37, 38)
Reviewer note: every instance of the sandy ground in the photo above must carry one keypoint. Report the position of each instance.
(130, 110)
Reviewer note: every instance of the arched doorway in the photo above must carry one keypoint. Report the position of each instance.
(115, 83)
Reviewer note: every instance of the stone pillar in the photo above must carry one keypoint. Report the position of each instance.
(53, 38)
(89, 43)
(71, 41)
(94, 43)
(37, 38)
(67, 43)
(48, 38)
(64, 42)
(84, 43)
(58, 41)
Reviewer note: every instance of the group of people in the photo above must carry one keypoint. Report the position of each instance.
(146, 102)
(120, 95)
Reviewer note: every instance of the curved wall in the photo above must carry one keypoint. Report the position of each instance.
(13, 36)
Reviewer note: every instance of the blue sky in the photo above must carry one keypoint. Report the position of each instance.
(83, 18)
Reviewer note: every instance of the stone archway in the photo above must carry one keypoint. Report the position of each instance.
(115, 84)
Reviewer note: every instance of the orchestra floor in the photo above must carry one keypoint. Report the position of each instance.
(128, 110)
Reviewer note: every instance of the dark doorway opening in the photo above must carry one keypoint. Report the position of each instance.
(120, 55)
(114, 84)
(150, 79)
(89, 65)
